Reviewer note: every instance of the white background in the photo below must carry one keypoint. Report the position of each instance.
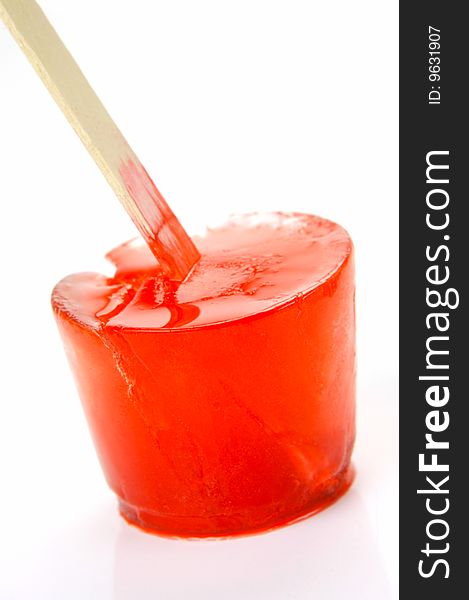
(234, 105)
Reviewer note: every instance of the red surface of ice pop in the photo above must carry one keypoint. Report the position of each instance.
(226, 404)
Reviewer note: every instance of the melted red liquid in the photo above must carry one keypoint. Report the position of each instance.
(224, 404)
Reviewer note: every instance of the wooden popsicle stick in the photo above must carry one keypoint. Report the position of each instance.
(61, 75)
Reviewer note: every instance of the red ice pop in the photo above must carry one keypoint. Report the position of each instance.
(225, 405)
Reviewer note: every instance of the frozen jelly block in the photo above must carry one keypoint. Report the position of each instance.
(227, 404)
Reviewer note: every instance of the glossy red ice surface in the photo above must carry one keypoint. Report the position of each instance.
(227, 404)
